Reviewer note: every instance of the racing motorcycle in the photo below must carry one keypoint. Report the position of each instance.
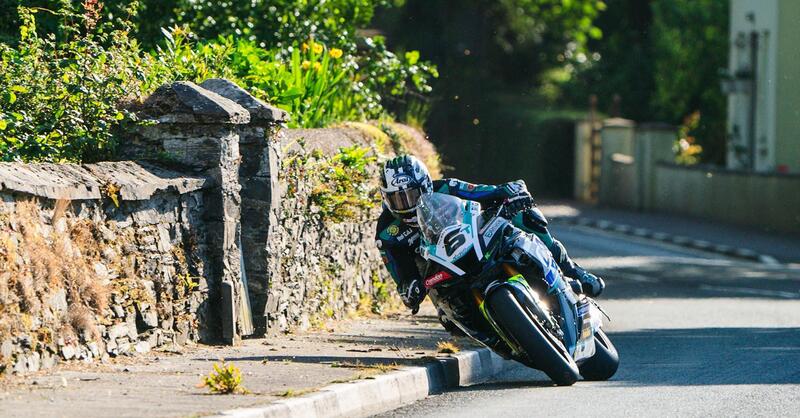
(502, 288)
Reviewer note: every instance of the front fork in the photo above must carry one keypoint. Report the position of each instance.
(566, 331)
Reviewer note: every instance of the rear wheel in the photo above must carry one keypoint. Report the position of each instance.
(605, 361)
(544, 350)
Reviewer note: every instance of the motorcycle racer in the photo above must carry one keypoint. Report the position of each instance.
(405, 178)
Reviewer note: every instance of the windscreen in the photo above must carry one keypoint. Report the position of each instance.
(437, 211)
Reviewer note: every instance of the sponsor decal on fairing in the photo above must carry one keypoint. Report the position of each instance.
(437, 278)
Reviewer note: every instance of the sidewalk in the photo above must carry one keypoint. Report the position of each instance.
(783, 247)
(164, 383)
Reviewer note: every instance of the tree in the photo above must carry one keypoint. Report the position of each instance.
(690, 47)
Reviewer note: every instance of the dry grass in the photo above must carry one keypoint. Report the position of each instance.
(37, 259)
(447, 347)
(365, 371)
(415, 143)
(378, 367)
(291, 393)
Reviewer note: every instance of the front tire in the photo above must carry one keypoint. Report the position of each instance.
(544, 350)
(605, 361)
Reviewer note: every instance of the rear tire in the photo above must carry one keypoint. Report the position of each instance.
(547, 353)
(605, 361)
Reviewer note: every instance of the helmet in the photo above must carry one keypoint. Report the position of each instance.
(404, 180)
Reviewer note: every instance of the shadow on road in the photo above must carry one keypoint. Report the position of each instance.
(709, 356)
(666, 278)
(688, 357)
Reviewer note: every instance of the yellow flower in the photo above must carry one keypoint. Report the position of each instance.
(317, 48)
(317, 66)
(306, 65)
(305, 47)
(336, 53)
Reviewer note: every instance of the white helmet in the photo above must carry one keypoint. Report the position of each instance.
(405, 179)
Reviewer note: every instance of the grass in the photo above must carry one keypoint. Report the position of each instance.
(378, 367)
(447, 347)
(366, 371)
(224, 379)
(291, 393)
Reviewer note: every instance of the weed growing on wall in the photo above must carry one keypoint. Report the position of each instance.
(37, 262)
(67, 279)
(342, 185)
(345, 187)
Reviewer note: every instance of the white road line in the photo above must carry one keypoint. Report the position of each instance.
(750, 291)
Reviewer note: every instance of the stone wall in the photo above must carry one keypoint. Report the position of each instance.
(319, 268)
(211, 231)
(99, 260)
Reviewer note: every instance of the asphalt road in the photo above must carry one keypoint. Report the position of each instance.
(698, 335)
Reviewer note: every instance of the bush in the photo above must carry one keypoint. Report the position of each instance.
(64, 94)
(59, 98)
(315, 84)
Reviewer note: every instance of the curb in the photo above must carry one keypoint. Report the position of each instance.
(741, 253)
(384, 392)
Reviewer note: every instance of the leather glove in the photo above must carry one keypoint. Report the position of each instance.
(518, 203)
(413, 295)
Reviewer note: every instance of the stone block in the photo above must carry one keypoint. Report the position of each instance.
(187, 103)
(259, 111)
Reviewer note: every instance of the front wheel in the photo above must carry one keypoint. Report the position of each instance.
(605, 361)
(547, 353)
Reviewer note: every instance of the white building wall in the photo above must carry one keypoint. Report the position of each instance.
(748, 17)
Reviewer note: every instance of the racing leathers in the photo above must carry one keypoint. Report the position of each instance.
(398, 240)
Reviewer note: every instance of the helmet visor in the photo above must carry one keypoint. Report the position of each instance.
(403, 201)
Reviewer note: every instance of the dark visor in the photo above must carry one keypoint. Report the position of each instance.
(403, 200)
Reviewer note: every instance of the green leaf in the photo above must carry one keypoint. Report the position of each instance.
(412, 57)
(168, 35)
(11, 97)
(292, 93)
(3, 125)
(19, 89)
(119, 116)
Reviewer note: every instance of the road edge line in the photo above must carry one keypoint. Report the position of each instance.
(681, 241)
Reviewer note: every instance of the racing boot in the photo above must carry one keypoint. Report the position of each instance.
(590, 284)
